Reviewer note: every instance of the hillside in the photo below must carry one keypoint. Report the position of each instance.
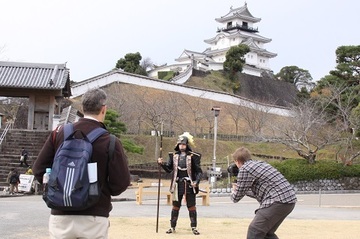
(224, 149)
(140, 108)
(265, 89)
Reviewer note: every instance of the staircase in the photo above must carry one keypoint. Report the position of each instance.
(10, 150)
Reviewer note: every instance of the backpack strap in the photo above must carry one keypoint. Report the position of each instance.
(92, 136)
(68, 130)
(111, 147)
(111, 153)
(96, 133)
(54, 133)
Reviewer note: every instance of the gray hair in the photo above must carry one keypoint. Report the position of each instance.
(93, 100)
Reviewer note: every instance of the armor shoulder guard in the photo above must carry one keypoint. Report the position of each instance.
(196, 154)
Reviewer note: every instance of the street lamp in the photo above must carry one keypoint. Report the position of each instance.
(216, 114)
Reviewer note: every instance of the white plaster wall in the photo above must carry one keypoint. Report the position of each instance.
(236, 41)
(260, 44)
(251, 71)
(251, 58)
(182, 66)
(219, 58)
(221, 43)
(212, 45)
(117, 76)
(216, 66)
(264, 64)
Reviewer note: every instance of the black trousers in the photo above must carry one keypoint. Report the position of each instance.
(184, 192)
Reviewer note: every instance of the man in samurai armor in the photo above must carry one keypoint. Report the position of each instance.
(184, 164)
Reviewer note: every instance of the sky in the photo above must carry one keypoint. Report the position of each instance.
(91, 36)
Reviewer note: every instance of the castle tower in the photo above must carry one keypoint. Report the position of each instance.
(238, 27)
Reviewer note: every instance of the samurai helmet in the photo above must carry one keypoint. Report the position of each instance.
(185, 138)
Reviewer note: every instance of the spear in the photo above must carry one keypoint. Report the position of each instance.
(159, 182)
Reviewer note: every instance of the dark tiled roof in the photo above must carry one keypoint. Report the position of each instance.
(34, 75)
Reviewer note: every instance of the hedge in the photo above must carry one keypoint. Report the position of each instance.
(298, 170)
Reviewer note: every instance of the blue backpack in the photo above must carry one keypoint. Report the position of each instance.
(69, 188)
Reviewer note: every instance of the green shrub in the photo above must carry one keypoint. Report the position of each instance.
(130, 146)
(166, 75)
(299, 170)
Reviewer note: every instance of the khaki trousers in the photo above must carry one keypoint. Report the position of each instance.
(74, 226)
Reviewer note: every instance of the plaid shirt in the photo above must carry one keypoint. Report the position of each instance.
(263, 182)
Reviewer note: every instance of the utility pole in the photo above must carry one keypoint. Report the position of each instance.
(214, 173)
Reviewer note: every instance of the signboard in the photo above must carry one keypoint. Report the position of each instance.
(25, 182)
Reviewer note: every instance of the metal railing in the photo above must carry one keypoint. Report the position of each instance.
(3, 135)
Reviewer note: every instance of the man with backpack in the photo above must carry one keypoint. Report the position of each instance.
(13, 179)
(111, 173)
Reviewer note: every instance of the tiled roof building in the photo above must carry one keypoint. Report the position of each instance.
(44, 84)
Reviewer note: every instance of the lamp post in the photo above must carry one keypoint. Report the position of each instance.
(216, 114)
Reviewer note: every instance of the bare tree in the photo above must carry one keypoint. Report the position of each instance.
(196, 107)
(15, 111)
(344, 105)
(310, 129)
(146, 64)
(235, 113)
(256, 117)
(172, 108)
(154, 111)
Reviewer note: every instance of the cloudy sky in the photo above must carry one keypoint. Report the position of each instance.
(92, 35)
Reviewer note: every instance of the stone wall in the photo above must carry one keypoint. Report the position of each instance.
(328, 185)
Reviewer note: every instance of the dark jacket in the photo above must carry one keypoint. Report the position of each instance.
(13, 178)
(24, 153)
(194, 167)
(112, 184)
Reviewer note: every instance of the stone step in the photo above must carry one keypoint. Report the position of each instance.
(11, 146)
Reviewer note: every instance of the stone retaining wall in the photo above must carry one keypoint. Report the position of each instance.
(328, 185)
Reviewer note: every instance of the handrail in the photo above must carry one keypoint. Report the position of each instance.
(3, 135)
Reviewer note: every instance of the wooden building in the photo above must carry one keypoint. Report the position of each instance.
(45, 85)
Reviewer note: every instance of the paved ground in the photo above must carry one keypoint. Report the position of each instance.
(27, 216)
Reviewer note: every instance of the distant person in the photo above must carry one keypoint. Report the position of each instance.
(34, 182)
(24, 157)
(13, 180)
(29, 171)
(185, 167)
(113, 176)
(269, 187)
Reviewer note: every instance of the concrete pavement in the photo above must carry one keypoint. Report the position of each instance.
(27, 216)
(309, 206)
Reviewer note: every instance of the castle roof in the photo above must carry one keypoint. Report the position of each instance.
(238, 13)
(236, 34)
(35, 76)
(188, 54)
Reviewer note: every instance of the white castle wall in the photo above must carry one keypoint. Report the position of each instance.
(124, 77)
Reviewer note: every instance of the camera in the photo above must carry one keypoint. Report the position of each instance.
(233, 170)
